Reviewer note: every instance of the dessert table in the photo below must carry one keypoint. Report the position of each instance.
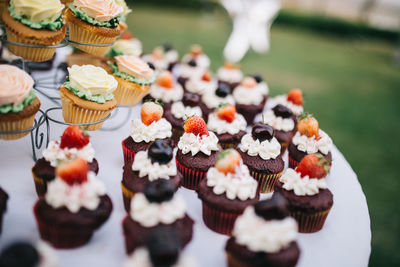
(345, 239)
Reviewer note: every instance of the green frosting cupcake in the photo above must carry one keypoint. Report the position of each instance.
(129, 78)
(112, 23)
(84, 95)
(15, 109)
(113, 53)
(44, 24)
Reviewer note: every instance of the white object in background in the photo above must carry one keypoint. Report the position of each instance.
(252, 20)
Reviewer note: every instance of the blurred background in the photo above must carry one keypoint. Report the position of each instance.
(343, 54)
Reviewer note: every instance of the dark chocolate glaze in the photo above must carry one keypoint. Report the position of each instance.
(255, 163)
(249, 112)
(200, 161)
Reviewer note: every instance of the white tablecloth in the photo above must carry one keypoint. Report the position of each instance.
(345, 239)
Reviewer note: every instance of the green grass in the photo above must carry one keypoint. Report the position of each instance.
(352, 86)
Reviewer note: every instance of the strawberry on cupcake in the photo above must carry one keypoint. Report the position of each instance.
(307, 193)
(230, 74)
(162, 58)
(212, 99)
(293, 100)
(226, 192)
(197, 151)
(201, 84)
(197, 55)
(75, 142)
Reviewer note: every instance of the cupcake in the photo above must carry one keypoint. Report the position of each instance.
(163, 248)
(309, 139)
(180, 111)
(197, 152)
(162, 58)
(250, 97)
(18, 102)
(197, 55)
(230, 74)
(283, 121)
(156, 207)
(201, 84)
(166, 90)
(306, 190)
(74, 143)
(74, 206)
(155, 163)
(87, 96)
(188, 71)
(150, 127)
(3, 206)
(228, 125)
(125, 13)
(28, 255)
(34, 23)
(261, 153)
(3, 6)
(264, 235)
(93, 22)
(293, 100)
(80, 58)
(226, 192)
(127, 45)
(212, 99)
(134, 78)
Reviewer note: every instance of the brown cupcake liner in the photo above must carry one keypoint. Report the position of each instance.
(21, 124)
(40, 185)
(219, 221)
(85, 59)
(191, 177)
(228, 145)
(130, 95)
(234, 262)
(310, 223)
(266, 182)
(292, 162)
(127, 196)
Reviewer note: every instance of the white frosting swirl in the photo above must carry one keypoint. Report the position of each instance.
(202, 60)
(278, 123)
(167, 95)
(131, 47)
(54, 153)
(38, 10)
(92, 80)
(310, 145)
(239, 185)
(212, 100)
(229, 75)
(250, 96)
(141, 258)
(265, 149)
(157, 130)
(181, 112)
(74, 197)
(48, 256)
(195, 144)
(301, 186)
(150, 214)
(219, 126)
(282, 99)
(187, 71)
(196, 85)
(154, 171)
(258, 234)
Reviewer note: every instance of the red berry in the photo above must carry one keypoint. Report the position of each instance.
(74, 171)
(196, 125)
(295, 96)
(206, 76)
(74, 137)
(150, 112)
(308, 125)
(226, 112)
(165, 80)
(314, 165)
(227, 161)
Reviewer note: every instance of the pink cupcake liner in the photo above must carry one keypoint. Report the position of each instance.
(191, 177)
(129, 155)
(219, 221)
(292, 163)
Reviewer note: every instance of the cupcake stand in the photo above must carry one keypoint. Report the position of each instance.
(345, 239)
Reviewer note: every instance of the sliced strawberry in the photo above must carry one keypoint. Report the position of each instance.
(314, 166)
(226, 112)
(74, 137)
(206, 76)
(227, 161)
(249, 82)
(151, 112)
(308, 125)
(295, 96)
(196, 125)
(165, 80)
(74, 171)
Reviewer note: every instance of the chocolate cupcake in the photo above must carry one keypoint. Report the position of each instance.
(199, 85)
(188, 71)
(197, 151)
(74, 206)
(293, 100)
(264, 235)
(150, 127)
(230, 74)
(3, 206)
(180, 111)
(212, 99)
(283, 121)
(261, 153)
(250, 97)
(155, 163)
(28, 255)
(74, 143)
(156, 207)
(306, 190)
(162, 58)
(228, 125)
(163, 248)
(309, 139)
(197, 55)
(227, 190)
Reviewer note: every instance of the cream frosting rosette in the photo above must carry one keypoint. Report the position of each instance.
(134, 66)
(15, 85)
(126, 9)
(100, 10)
(131, 47)
(38, 10)
(92, 80)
